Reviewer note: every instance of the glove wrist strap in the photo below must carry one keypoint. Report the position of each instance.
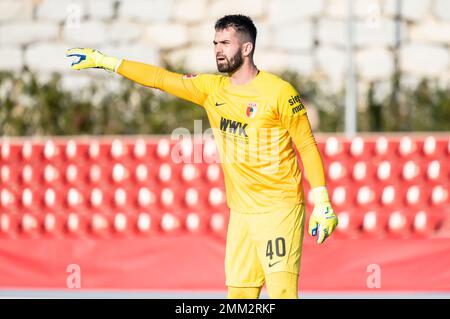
(110, 63)
(320, 195)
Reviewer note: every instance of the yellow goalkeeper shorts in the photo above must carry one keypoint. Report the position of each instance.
(259, 244)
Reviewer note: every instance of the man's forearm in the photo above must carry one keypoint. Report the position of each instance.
(307, 147)
(313, 164)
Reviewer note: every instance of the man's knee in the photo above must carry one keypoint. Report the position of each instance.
(243, 292)
(282, 285)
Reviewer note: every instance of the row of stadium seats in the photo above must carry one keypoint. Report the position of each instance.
(370, 223)
(152, 149)
(95, 198)
(204, 198)
(401, 181)
(117, 173)
(80, 224)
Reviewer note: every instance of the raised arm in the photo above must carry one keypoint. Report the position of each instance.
(187, 88)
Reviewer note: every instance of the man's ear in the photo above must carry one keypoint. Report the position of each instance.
(247, 49)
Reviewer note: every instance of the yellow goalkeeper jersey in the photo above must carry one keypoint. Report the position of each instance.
(254, 128)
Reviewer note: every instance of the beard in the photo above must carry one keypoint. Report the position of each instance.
(229, 65)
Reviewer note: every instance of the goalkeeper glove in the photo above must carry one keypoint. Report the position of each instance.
(323, 220)
(90, 58)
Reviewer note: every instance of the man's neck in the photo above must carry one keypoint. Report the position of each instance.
(243, 75)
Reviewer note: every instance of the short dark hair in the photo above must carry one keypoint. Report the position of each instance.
(240, 23)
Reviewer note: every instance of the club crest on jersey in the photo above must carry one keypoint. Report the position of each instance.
(251, 109)
(189, 76)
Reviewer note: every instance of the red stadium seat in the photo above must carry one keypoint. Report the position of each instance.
(407, 146)
(71, 174)
(363, 171)
(374, 224)
(216, 197)
(425, 223)
(53, 225)
(192, 197)
(52, 200)
(50, 152)
(120, 197)
(439, 196)
(383, 146)
(76, 152)
(29, 175)
(210, 152)
(51, 175)
(165, 174)
(182, 151)
(392, 195)
(120, 174)
(146, 198)
(5, 152)
(214, 174)
(335, 148)
(96, 198)
(163, 148)
(148, 223)
(8, 199)
(118, 150)
(435, 147)
(366, 195)
(96, 175)
(74, 198)
(99, 150)
(139, 149)
(387, 171)
(124, 224)
(8, 225)
(411, 171)
(337, 170)
(27, 153)
(5, 174)
(30, 225)
(399, 223)
(197, 221)
(437, 171)
(29, 198)
(190, 173)
(70, 150)
(361, 148)
(342, 197)
(10, 152)
(350, 223)
(141, 173)
(218, 223)
(100, 224)
(170, 222)
(416, 195)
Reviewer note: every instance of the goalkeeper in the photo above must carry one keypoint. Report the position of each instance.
(255, 117)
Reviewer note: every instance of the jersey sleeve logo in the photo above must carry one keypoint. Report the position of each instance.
(297, 104)
(190, 76)
(252, 108)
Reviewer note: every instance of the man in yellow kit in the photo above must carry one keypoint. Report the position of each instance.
(255, 117)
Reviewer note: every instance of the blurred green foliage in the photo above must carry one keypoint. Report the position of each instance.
(32, 107)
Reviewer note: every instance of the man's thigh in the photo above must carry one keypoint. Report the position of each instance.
(242, 265)
(278, 237)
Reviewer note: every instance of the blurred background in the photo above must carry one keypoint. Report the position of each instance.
(91, 200)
